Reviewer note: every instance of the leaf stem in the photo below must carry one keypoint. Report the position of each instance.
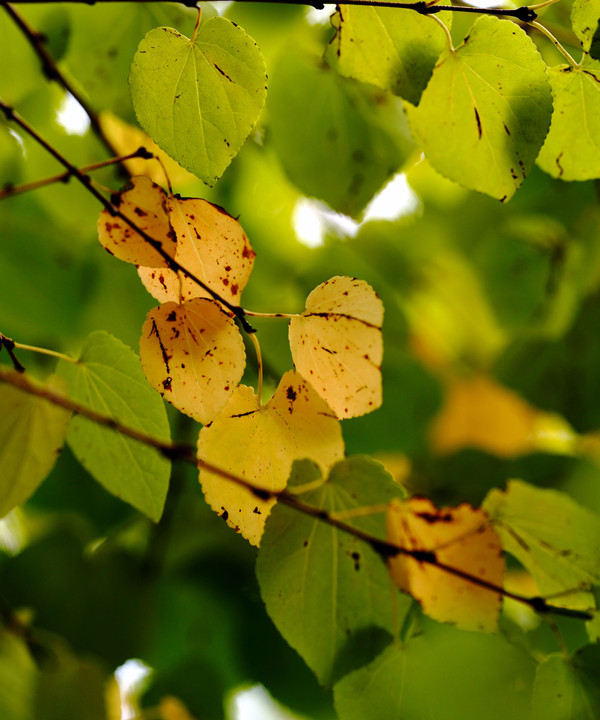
(52, 72)
(11, 190)
(187, 453)
(538, 26)
(259, 362)
(446, 31)
(44, 351)
(11, 115)
(288, 316)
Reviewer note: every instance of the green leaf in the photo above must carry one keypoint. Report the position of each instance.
(441, 674)
(568, 689)
(486, 110)
(572, 148)
(556, 539)
(584, 19)
(199, 99)
(108, 378)
(17, 678)
(391, 48)
(328, 593)
(337, 140)
(32, 433)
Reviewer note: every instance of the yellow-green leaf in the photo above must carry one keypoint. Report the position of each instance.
(32, 433)
(337, 346)
(211, 245)
(572, 148)
(461, 538)
(193, 354)
(557, 540)
(391, 48)
(260, 443)
(486, 110)
(145, 204)
(199, 99)
(584, 20)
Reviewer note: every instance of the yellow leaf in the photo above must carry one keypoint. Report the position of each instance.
(145, 204)
(461, 538)
(193, 354)
(480, 413)
(126, 139)
(211, 245)
(260, 443)
(337, 346)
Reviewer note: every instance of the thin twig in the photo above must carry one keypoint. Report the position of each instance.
(52, 72)
(11, 115)
(9, 345)
(187, 453)
(525, 14)
(10, 190)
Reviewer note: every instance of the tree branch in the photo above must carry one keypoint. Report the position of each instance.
(11, 115)
(525, 14)
(187, 453)
(51, 71)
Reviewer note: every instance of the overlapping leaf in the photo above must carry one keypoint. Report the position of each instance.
(557, 540)
(211, 245)
(328, 593)
(567, 689)
(391, 48)
(199, 99)
(572, 148)
(193, 355)
(145, 204)
(108, 379)
(486, 110)
(585, 15)
(260, 443)
(460, 538)
(337, 346)
(32, 433)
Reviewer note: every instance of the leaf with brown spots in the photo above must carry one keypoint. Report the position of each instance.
(211, 245)
(193, 354)
(459, 537)
(260, 443)
(337, 346)
(145, 204)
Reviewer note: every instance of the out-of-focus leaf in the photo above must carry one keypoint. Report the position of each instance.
(108, 378)
(18, 677)
(32, 433)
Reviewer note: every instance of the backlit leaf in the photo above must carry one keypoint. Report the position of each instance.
(18, 677)
(199, 99)
(108, 379)
(357, 135)
(568, 689)
(337, 346)
(391, 48)
(145, 204)
(32, 433)
(557, 540)
(461, 538)
(260, 443)
(328, 593)
(584, 19)
(211, 245)
(193, 355)
(572, 148)
(485, 113)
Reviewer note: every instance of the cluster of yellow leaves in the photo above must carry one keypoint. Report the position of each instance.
(193, 354)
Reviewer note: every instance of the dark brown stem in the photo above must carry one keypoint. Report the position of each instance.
(51, 71)
(11, 115)
(9, 345)
(187, 453)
